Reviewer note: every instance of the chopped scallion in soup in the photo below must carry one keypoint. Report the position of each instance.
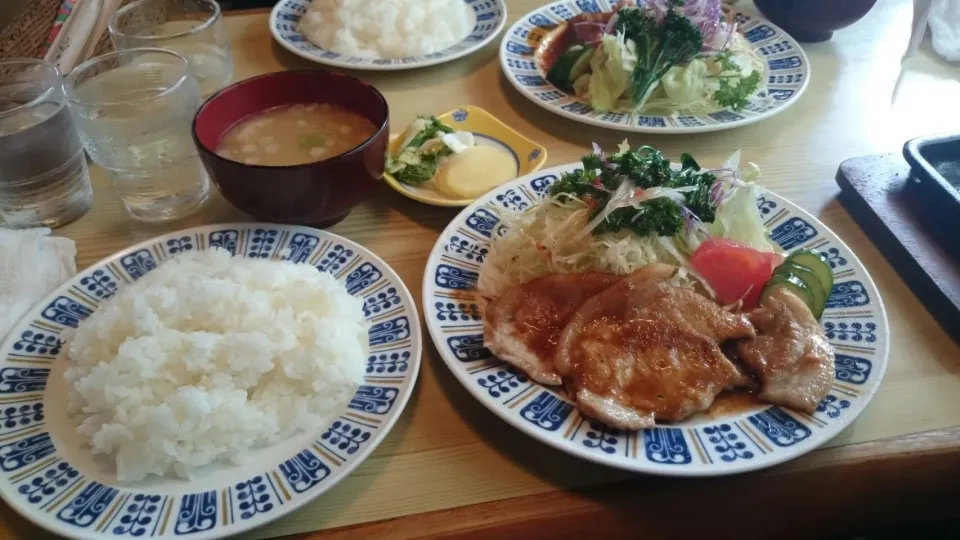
(295, 134)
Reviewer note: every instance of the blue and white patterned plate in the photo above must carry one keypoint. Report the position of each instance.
(491, 17)
(855, 322)
(788, 72)
(48, 476)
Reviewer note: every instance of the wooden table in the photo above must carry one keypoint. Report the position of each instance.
(451, 468)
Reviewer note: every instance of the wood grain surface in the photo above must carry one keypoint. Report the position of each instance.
(914, 227)
(449, 461)
(837, 495)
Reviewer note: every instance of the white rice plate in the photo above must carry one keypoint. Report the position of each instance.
(386, 28)
(210, 356)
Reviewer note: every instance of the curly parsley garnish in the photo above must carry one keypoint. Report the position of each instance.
(645, 168)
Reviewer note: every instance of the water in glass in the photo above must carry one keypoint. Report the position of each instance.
(193, 28)
(134, 119)
(43, 178)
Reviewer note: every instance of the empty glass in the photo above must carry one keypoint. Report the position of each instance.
(133, 110)
(43, 172)
(193, 28)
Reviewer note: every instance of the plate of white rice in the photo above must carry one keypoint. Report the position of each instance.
(203, 383)
(398, 34)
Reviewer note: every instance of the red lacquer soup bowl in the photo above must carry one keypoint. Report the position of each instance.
(320, 193)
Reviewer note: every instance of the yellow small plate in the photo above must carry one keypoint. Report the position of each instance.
(487, 129)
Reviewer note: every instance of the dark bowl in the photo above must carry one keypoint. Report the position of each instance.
(813, 20)
(318, 194)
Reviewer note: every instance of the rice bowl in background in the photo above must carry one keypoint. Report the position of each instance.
(396, 28)
(488, 19)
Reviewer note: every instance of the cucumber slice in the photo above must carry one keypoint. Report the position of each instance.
(570, 65)
(809, 278)
(582, 63)
(814, 260)
(793, 284)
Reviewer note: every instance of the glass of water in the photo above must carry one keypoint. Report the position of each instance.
(43, 173)
(133, 110)
(193, 28)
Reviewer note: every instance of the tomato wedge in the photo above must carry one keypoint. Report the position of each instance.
(733, 270)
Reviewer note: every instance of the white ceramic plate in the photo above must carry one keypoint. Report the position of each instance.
(491, 16)
(788, 72)
(48, 476)
(855, 322)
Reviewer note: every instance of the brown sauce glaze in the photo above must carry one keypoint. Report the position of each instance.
(552, 46)
(545, 306)
(734, 402)
(563, 36)
(651, 366)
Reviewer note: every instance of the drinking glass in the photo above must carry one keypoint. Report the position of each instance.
(43, 173)
(193, 28)
(134, 110)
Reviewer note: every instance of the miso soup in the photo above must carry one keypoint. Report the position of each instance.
(295, 134)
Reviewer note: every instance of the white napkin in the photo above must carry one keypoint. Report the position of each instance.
(944, 24)
(32, 265)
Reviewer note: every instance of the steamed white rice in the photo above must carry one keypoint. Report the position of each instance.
(208, 356)
(386, 28)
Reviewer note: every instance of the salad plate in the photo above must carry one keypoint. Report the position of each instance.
(526, 61)
(491, 17)
(49, 476)
(717, 442)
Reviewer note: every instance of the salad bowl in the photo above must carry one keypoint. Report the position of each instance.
(522, 60)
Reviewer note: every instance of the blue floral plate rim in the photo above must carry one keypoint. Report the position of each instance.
(52, 483)
(787, 78)
(855, 323)
(491, 18)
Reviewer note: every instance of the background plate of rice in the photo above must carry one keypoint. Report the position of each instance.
(48, 476)
(788, 72)
(490, 15)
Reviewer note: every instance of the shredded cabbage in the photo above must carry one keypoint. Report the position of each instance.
(686, 84)
(687, 89)
(612, 65)
(554, 237)
(737, 216)
(739, 219)
(546, 239)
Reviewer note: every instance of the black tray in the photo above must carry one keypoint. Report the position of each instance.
(935, 161)
(233, 5)
(910, 222)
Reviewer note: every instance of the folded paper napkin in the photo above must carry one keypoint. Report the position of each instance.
(32, 265)
(944, 24)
